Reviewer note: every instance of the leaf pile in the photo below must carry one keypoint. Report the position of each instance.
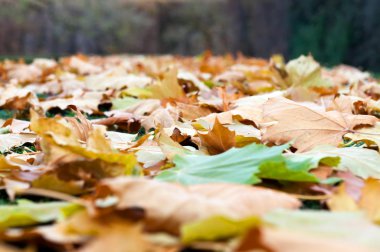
(169, 153)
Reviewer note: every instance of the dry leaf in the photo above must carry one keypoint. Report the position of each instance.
(168, 87)
(218, 139)
(195, 202)
(307, 126)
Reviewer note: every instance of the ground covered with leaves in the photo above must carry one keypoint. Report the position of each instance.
(143, 153)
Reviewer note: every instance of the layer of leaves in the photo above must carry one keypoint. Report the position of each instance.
(198, 132)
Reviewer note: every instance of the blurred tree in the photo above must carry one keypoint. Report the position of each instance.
(334, 31)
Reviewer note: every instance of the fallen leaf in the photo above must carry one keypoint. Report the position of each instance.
(348, 227)
(245, 166)
(307, 126)
(369, 200)
(237, 165)
(216, 228)
(361, 162)
(305, 72)
(342, 201)
(168, 87)
(218, 139)
(196, 202)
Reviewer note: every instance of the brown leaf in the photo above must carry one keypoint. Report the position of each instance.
(218, 139)
(307, 125)
(253, 240)
(169, 206)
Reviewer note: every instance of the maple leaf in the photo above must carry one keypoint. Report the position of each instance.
(245, 166)
(306, 72)
(168, 87)
(218, 139)
(361, 162)
(307, 126)
(196, 202)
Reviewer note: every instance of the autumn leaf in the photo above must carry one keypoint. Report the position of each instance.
(106, 232)
(307, 126)
(342, 201)
(218, 139)
(326, 225)
(196, 202)
(306, 72)
(369, 199)
(237, 165)
(361, 162)
(124, 103)
(168, 87)
(245, 166)
(216, 228)
(289, 240)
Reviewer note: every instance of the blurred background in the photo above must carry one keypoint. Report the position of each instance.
(334, 31)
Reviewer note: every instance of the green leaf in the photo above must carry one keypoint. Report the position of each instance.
(237, 165)
(345, 226)
(138, 92)
(245, 166)
(297, 172)
(296, 167)
(362, 162)
(216, 228)
(28, 213)
(124, 103)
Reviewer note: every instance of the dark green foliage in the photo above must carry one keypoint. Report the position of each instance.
(318, 28)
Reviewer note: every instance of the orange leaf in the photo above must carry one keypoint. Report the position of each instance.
(218, 139)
